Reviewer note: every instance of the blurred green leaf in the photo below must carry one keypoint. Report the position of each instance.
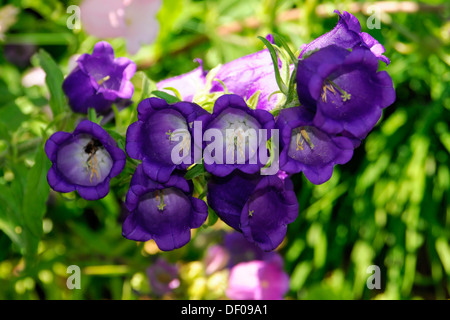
(164, 95)
(36, 193)
(54, 79)
(12, 117)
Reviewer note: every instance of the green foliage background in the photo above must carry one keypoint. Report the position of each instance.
(388, 206)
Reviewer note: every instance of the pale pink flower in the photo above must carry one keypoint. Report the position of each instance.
(34, 77)
(134, 20)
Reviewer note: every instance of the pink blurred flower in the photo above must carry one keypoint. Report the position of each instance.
(135, 20)
(258, 280)
(216, 259)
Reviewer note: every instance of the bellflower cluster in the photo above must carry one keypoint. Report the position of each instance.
(235, 140)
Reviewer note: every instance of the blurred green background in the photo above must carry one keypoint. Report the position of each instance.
(389, 206)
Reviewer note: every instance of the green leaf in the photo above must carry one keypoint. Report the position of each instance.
(195, 171)
(175, 91)
(92, 115)
(164, 95)
(12, 117)
(36, 193)
(273, 55)
(9, 214)
(212, 218)
(285, 46)
(54, 80)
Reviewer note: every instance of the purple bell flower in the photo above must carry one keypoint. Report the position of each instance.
(308, 149)
(164, 212)
(231, 115)
(85, 160)
(344, 89)
(260, 207)
(99, 80)
(161, 127)
(346, 34)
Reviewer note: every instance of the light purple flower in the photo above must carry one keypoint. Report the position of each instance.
(85, 160)
(163, 277)
(188, 84)
(249, 74)
(243, 77)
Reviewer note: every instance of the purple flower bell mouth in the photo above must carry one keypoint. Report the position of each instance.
(345, 89)
(346, 34)
(160, 128)
(163, 212)
(85, 160)
(308, 149)
(99, 80)
(240, 128)
(260, 207)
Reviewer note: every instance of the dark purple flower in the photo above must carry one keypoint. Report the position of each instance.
(241, 250)
(163, 277)
(239, 126)
(308, 149)
(345, 89)
(346, 34)
(19, 54)
(160, 128)
(99, 80)
(260, 207)
(164, 212)
(188, 84)
(258, 280)
(85, 161)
